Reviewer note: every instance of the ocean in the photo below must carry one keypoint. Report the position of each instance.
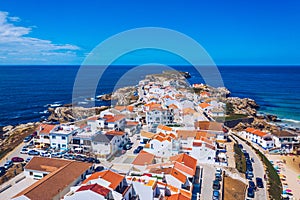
(26, 91)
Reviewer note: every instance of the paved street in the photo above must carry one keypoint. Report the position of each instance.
(207, 182)
(14, 153)
(258, 170)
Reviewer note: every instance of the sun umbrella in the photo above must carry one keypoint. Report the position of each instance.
(288, 190)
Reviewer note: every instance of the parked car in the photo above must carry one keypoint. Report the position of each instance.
(249, 175)
(249, 168)
(68, 156)
(33, 152)
(138, 149)
(56, 155)
(2, 171)
(92, 160)
(8, 164)
(45, 154)
(250, 192)
(216, 185)
(259, 182)
(218, 177)
(24, 151)
(27, 139)
(34, 134)
(81, 158)
(17, 159)
(246, 155)
(216, 195)
(99, 169)
(127, 147)
(240, 146)
(252, 185)
(28, 159)
(218, 171)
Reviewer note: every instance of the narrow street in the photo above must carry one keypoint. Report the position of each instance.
(258, 170)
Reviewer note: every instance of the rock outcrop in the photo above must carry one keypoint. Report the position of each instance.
(69, 114)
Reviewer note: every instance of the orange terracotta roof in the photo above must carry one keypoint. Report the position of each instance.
(256, 132)
(115, 133)
(172, 135)
(159, 138)
(115, 118)
(197, 144)
(161, 134)
(147, 145)
(186, 159)
(183, 168)
(99, 189)
(184, 134)
(178, 175)
(204, 105)
(120, 108)
(208, 125)
(188, 111)
(165, 128)
(46, 128)
(143, 158)
(131, 123)
(114, 178)
(173, 106)
(147, 134)
(210, 146)
(206, 140)
(93, 118)
(130, 108)
(204, 93)
(50, 186)
(250, 130)
(200, 134)
(167, 97)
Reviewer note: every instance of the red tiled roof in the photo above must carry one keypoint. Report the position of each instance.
(115, 133)
(132, 123)
(115, 118)
(110, 176)
(256, 132)
(143, 158)
(188, 111)
(208, 125)
(93, 118)
(46, 128)
(177, 197)
(197, 144)
(99, 189)
(186, 160)
(204, 105)
(178, 175)
(165, 128)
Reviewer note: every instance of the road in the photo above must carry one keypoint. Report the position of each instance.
(258, 170)
(14, 153)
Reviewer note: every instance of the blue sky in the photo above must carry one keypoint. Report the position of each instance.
(232, 32)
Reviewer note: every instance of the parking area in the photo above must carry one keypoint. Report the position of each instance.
(258, 171)
(211, 187)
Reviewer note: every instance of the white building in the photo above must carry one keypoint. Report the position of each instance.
(263, 139)
(61, 136)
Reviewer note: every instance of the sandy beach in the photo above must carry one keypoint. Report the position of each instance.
(289, 167)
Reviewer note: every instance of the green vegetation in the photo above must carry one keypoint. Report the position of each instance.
(240, 160)
(275, 187)
(229, 109)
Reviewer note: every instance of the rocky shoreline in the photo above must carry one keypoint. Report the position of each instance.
(128, 95)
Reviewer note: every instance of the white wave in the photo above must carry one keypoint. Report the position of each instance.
(290, 120)
(82, 102)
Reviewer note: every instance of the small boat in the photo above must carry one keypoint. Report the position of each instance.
(54, 105)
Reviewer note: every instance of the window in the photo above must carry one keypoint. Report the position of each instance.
(106, 144)
(30, 173)
(64, 146)
(53, 136)
(63, 137)
(53, 144)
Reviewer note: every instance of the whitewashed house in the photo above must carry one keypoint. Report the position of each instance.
(263, 139)
(61, 136)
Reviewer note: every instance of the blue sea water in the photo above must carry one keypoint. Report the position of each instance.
(26, 90)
